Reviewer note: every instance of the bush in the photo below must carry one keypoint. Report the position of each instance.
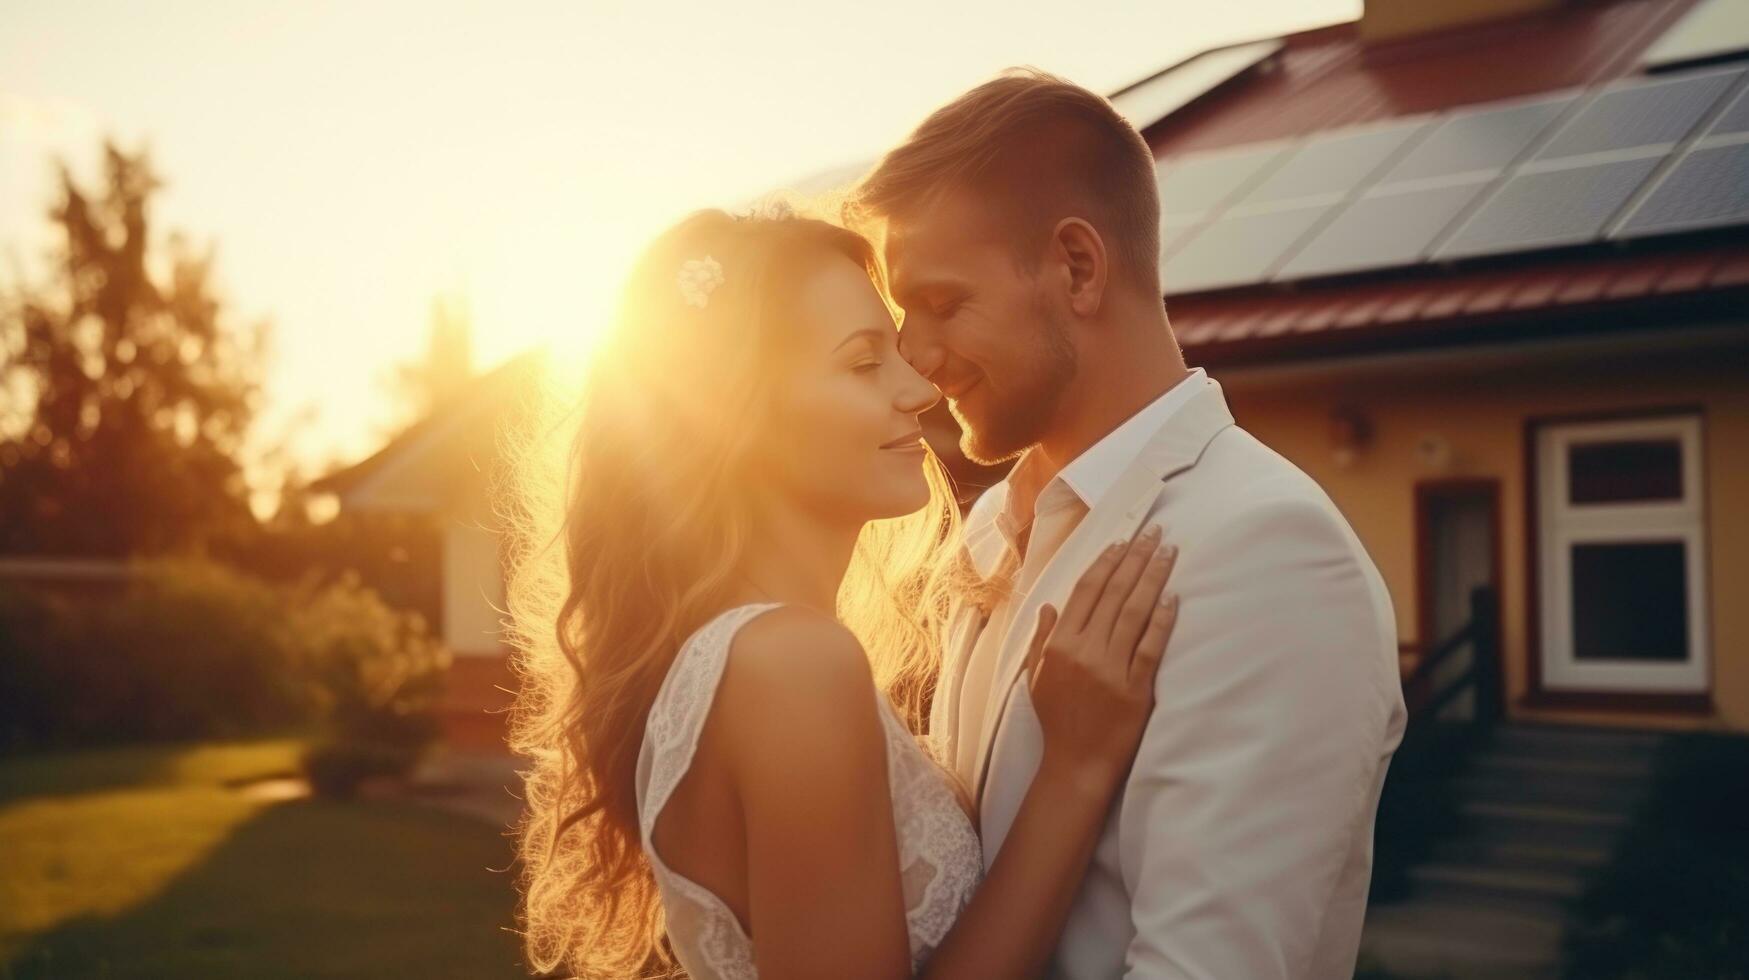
(1674, 901)
(187, 650)
(30, 628)
(208, 650)
(379, 675)
(193, 649)
(336, 769)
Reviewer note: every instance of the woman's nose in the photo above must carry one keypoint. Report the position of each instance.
(916, 395)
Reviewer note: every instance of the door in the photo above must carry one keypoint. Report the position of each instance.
(1459, 540)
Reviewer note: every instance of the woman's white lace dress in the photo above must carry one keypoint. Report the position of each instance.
(939, 855)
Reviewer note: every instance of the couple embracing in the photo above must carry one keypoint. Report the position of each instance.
(790, 716)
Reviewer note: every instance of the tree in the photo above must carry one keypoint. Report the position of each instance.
(427, 384)
(125, 398)
(397, 554)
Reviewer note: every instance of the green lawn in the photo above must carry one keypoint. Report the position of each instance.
(152, 862)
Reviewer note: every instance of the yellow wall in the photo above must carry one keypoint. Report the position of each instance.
(473, 573)
(1478, 401)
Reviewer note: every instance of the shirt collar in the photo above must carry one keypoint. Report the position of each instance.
(991, 528)
(1092, 474)
(986, 539)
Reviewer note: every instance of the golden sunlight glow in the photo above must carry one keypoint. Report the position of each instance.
(374, 156)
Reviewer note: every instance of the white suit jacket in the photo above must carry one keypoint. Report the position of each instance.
(1240, 847)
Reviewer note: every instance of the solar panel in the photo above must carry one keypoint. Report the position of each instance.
(1640, 113)
(1237, 250)
(1459, 185)
(1204, 181)
(1174, 228)
(1480, 139)
(1153, 99)
(1735, 118)
(1384, 227)
(1334, 164)
(1550, 205)
(1708, 187)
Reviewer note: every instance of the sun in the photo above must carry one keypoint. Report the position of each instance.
(547, 286)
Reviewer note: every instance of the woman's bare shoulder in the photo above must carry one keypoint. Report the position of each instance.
(794, 647)
(796, 675)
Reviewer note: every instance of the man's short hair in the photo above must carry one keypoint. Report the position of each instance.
(1036, 149)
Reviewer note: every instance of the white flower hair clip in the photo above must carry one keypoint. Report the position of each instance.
(698, 278)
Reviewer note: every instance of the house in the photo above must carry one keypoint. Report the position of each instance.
(1482, 270)
(443, 467)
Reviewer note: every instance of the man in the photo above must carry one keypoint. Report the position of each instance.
(1019, 225)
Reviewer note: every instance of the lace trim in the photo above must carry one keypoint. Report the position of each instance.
(676, 720)
(940, 858)
(932, 831)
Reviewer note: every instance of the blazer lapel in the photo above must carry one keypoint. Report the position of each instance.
(1172, 450)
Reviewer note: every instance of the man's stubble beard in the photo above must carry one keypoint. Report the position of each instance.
(1017, 423)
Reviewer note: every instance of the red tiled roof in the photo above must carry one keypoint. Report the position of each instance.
(1532, 294)
(1327, 78)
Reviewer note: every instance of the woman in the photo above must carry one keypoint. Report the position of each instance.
(759, 554)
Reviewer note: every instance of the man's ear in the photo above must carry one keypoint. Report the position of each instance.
(1079, 248)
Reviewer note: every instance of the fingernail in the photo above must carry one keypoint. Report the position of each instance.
(1172, 551)
(1153, 531)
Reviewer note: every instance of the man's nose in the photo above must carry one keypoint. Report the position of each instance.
(919, 346)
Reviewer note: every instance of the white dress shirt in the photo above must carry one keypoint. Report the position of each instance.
(996, 524)
(993, 525)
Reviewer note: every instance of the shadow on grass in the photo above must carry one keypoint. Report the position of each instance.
(95, 770)
(312, 889)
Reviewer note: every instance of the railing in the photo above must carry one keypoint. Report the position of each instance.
(1482, 675)
(1417, 806)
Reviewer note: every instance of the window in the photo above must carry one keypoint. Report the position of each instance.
(1624, 471)
(1622, 536)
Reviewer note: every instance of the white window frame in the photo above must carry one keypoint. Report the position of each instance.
(1561, 525)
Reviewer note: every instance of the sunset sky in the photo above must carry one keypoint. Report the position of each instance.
(354, 161)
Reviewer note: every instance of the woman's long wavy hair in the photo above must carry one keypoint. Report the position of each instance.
(648, 481)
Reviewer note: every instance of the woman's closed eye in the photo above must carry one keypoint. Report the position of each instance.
(870, 353)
